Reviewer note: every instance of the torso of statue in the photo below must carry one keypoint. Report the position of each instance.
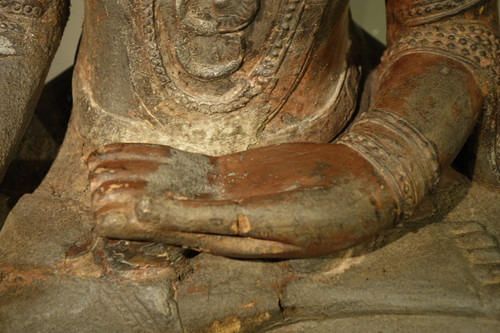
(215, 76)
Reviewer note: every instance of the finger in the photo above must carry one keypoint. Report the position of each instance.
(230, 246)
(273, 217)
(118, 192)
(121, 171)
(119, 221)
(129, 151)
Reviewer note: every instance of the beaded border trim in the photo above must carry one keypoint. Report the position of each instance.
(474, 44)
(6, 25)
(24, 8)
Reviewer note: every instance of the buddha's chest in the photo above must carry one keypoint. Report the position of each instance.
(216, 56)
(226, 67)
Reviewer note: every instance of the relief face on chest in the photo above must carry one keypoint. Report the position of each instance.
(210, 42)
(217, 56)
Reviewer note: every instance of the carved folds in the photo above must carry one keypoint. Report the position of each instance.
(210, 43)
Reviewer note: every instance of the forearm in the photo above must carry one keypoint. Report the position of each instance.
(289, 200)
(297, 200)
(30, 32)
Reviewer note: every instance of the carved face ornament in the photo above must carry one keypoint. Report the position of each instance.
(210, 43)
(192, 42)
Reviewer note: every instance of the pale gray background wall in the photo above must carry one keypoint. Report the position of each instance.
(66, 53)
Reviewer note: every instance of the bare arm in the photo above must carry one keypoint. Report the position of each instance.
(30, 31)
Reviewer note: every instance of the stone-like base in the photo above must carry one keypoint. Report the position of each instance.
(439, 272)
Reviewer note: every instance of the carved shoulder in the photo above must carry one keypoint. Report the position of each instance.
(30, 31)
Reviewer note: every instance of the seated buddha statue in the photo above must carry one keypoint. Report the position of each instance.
(208, 130)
